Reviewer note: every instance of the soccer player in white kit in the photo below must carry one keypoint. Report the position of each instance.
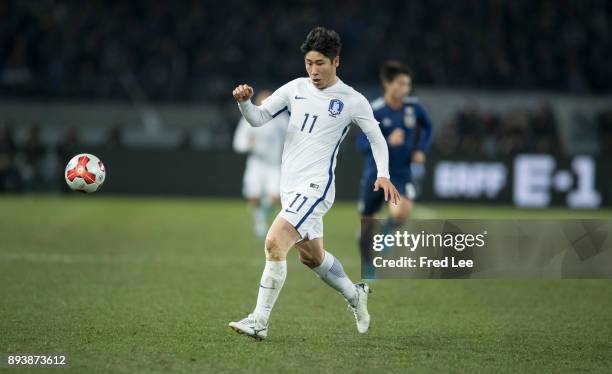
(321, 108)
(261, 181)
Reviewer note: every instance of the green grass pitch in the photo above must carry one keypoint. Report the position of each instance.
(149, 285)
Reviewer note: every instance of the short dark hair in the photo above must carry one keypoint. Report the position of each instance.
(391, 69)
(324, 41)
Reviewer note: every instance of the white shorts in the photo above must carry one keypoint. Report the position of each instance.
(261, 180)
(305, 212)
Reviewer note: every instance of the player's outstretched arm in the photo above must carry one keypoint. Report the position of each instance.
(381, 157)
(364, 118)
(255, 116)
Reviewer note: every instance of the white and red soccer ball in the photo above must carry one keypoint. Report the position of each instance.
(85, 173)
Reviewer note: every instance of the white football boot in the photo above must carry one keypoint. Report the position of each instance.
(251, 327)
(362, 317)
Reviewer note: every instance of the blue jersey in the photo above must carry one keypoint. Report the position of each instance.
(410, 117)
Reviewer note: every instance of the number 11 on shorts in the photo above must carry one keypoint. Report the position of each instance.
(301, 204)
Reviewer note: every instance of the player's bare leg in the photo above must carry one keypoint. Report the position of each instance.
(330, 270)
(281, 237)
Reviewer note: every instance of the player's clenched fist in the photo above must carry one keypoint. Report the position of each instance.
(243, 92)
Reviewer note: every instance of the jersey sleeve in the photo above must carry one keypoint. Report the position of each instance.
(363, 116)
(255, 115)
(280, 100)
(271, 107)
(362, 143)
(424, 122)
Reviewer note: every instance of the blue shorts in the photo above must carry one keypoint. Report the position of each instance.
(371, 201)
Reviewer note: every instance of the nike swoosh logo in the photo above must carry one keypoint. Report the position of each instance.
(288, 211)
(299, 97)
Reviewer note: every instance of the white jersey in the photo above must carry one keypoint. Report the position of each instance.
(319, 121)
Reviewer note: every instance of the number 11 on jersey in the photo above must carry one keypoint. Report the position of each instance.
(314, 120)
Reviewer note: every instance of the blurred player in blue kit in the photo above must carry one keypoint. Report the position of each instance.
(407, 128)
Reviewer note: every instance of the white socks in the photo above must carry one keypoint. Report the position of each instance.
(275, 272)
(272, 281)
(332, 273)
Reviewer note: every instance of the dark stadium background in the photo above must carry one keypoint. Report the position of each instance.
(144, 275)
(146, 86)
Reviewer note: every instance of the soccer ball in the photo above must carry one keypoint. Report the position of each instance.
(85, 173)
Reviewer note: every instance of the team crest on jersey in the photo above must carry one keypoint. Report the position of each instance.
(335, 107)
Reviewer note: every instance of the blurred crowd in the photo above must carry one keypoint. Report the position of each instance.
(605, 133)
(33, 163)
(476, 132)
(193, 50)
(31, 166)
